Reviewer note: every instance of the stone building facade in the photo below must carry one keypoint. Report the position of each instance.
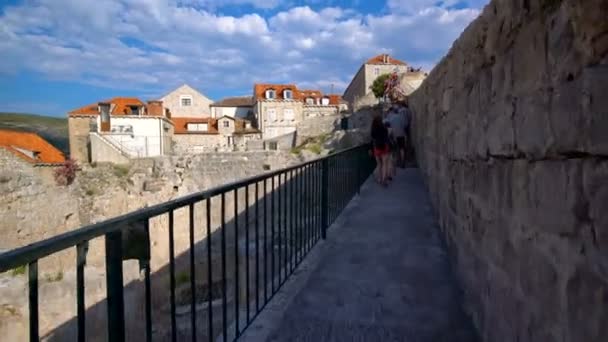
(359, 91)
(187, 102)
(197, 135)
(278, 108)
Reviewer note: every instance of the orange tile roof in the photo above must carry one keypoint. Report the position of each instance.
(259, 90)
(15, 140)
(380, 60)
(121, 106)
(335, 99)
(181, 125)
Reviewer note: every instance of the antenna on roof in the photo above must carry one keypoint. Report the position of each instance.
(332, 89)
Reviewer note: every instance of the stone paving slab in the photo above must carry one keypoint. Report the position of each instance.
(382, 275)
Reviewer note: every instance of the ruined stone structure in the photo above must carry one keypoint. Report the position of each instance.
(511, 133)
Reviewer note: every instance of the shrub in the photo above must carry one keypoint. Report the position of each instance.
(66, 173)
(18, 270)
(56, 277)
(182, 278)
(315, 148)
(121, 170)
(379, 85)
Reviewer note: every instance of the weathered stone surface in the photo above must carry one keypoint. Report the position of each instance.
(510, 129)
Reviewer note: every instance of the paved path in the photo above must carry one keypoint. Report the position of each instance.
(382, 275)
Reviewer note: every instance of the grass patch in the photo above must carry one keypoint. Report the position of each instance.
(54, 277)
(91, 192)
(18, 271)
(182, 278)
(121, 170)
(315, 148)
(312, 144)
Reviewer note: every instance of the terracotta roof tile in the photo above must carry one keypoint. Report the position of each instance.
(259, 91)
(384, 59)
(121, 106)
(181, 125)
(45, 153)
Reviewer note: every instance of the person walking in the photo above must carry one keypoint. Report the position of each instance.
(399, 121)
(380, 145)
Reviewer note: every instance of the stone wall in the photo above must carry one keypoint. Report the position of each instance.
(511, 133)
(197, 143)
(32, 211)
(79, 128)
(316, 126)
(102, 151)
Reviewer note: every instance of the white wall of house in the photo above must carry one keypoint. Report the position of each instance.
(139, 136)
(186, 101)
(234, 112)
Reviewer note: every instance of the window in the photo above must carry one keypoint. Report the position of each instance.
(288, 114)
(376, 71)
(134, 110)
(310, 101)
(185, 100)
(197, 127)
(271, 114)
(226, 123)
(271, 94)
(325, 101)
(287, 94)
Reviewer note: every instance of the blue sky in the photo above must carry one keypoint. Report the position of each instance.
(61, 54)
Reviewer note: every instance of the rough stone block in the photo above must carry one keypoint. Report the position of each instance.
(554, 196)
(595, 175)
(587, 298)
(566, 119)
(532, 134)
(595, 107)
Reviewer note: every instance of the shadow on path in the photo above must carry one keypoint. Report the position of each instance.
(383, 276)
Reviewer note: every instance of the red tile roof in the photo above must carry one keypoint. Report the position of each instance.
(384, 59)
(121, 107)
(44, 151)
(181, 125)
(259, 92)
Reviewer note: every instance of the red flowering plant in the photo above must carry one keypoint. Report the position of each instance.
(66, 173)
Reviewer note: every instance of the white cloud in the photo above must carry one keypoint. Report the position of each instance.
(153, 45)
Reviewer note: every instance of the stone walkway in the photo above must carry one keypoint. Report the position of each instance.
(382, 275)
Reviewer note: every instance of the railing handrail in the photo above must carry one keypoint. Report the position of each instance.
(40, 249)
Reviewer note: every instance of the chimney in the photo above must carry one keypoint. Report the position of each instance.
(388, 59)
(155, 108)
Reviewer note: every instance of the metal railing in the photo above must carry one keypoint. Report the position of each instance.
(279, 228)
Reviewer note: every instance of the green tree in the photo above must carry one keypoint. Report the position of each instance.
(379, 85)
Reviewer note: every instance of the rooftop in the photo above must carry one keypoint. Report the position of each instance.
(30, 147)
(385, 59)
(121, 106)
(235, 101)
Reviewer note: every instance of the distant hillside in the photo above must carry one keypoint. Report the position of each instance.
(54, 130)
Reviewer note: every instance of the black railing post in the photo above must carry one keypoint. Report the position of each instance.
(324, 197)
(116, 312)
